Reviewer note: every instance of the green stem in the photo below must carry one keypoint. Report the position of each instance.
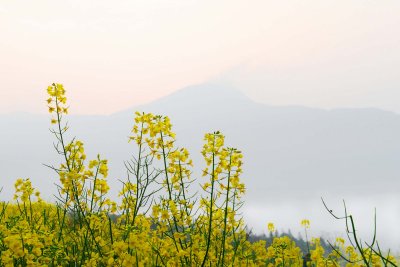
(211, 209)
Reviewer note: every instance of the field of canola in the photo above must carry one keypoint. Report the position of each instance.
(159, 220)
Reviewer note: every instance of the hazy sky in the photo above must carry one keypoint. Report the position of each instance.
(111, 55)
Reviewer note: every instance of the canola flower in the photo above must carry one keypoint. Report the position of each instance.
(271, 227)
(158, 220)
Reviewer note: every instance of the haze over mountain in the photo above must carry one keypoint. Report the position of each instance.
(293, 155)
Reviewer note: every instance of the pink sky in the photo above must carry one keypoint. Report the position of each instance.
(113, 55)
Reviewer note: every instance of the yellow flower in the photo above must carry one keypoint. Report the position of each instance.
(271, 227)
(305, 223)
(164, 215)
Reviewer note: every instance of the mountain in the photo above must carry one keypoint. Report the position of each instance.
(293, 155)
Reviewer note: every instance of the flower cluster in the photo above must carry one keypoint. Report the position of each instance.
(57, 101)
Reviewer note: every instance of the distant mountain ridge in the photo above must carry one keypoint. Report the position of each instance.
(285, 141)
